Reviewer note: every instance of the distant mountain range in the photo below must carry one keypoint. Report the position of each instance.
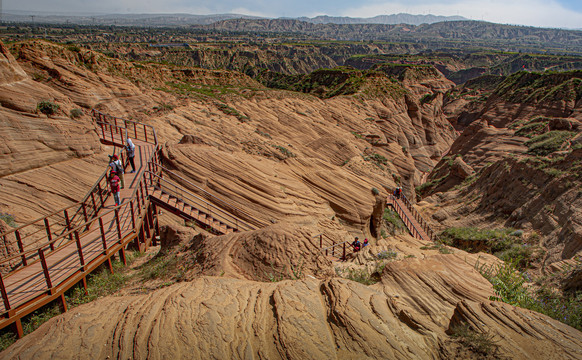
(383, 19)
(189, 19)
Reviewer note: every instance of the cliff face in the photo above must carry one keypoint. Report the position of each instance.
(524, 149)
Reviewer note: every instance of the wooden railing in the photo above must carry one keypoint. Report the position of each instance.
(58, 250)
(414, 231)
(117, 130)
(332, 248)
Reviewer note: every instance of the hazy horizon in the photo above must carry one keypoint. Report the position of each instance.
(552, 13)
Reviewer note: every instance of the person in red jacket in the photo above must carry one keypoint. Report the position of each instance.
(114, 185)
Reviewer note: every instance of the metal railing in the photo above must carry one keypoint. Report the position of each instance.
(117, 130)
(414, 231)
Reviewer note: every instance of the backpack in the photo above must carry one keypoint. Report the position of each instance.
(117, 167)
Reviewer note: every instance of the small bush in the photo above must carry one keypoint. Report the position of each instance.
(387, 254)
(160, 267)
(509, 286)
(375, 191)
(48, 108)
(480, 343)
(8, 219)
(76, 113)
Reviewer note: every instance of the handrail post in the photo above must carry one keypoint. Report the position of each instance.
(117, 224)
(135, 130)
(68, 222)
(4, 294)
(103, 130)
(45, 269)
(80, 250)
(145, 131)
(103, 239)
(48, 232)
(112, 138)
(20, 247)
(85, 216)
(100, 190)
(132, 214)
(344, 255)
(94, 204)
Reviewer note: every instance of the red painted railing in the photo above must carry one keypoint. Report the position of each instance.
(57, 251)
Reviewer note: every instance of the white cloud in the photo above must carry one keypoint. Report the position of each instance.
(522, 12)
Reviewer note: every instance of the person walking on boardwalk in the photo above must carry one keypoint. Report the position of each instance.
(116, 166)
(130, 148)
(114, 185)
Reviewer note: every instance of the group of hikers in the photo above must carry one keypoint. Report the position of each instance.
(116, 180)
(357, 245)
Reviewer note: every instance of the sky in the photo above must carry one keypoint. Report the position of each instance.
(542, 13)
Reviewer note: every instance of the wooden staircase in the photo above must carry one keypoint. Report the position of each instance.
(414, 222)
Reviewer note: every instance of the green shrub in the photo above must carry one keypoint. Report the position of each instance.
(48, 108)
(474, 240)
(391, 217)
(509, 287)
(76, 113)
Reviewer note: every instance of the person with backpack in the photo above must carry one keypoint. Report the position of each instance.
(116, 166)
(356, 244)
(114, 186)
(130, 149)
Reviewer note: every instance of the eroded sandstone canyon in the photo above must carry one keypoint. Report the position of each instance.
(305, 165)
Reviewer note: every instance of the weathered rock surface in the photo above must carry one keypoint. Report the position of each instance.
(406, 316)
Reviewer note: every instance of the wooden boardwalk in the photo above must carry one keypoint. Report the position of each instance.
(60, 250)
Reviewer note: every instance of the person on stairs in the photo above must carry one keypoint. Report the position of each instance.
(116, 166)
(114, 186)
(356, 244)
(130, 149)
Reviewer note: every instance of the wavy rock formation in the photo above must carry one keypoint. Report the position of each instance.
(406, 316)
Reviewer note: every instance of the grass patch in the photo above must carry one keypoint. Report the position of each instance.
(48, 108)
(387, 255)
(549, 142)
(364, 275)
(440, 247)
(393, 221)
(377, 159)
(232, 112)
(99, 284)
(284, 151)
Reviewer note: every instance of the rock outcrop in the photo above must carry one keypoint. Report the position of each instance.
(409, 315)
